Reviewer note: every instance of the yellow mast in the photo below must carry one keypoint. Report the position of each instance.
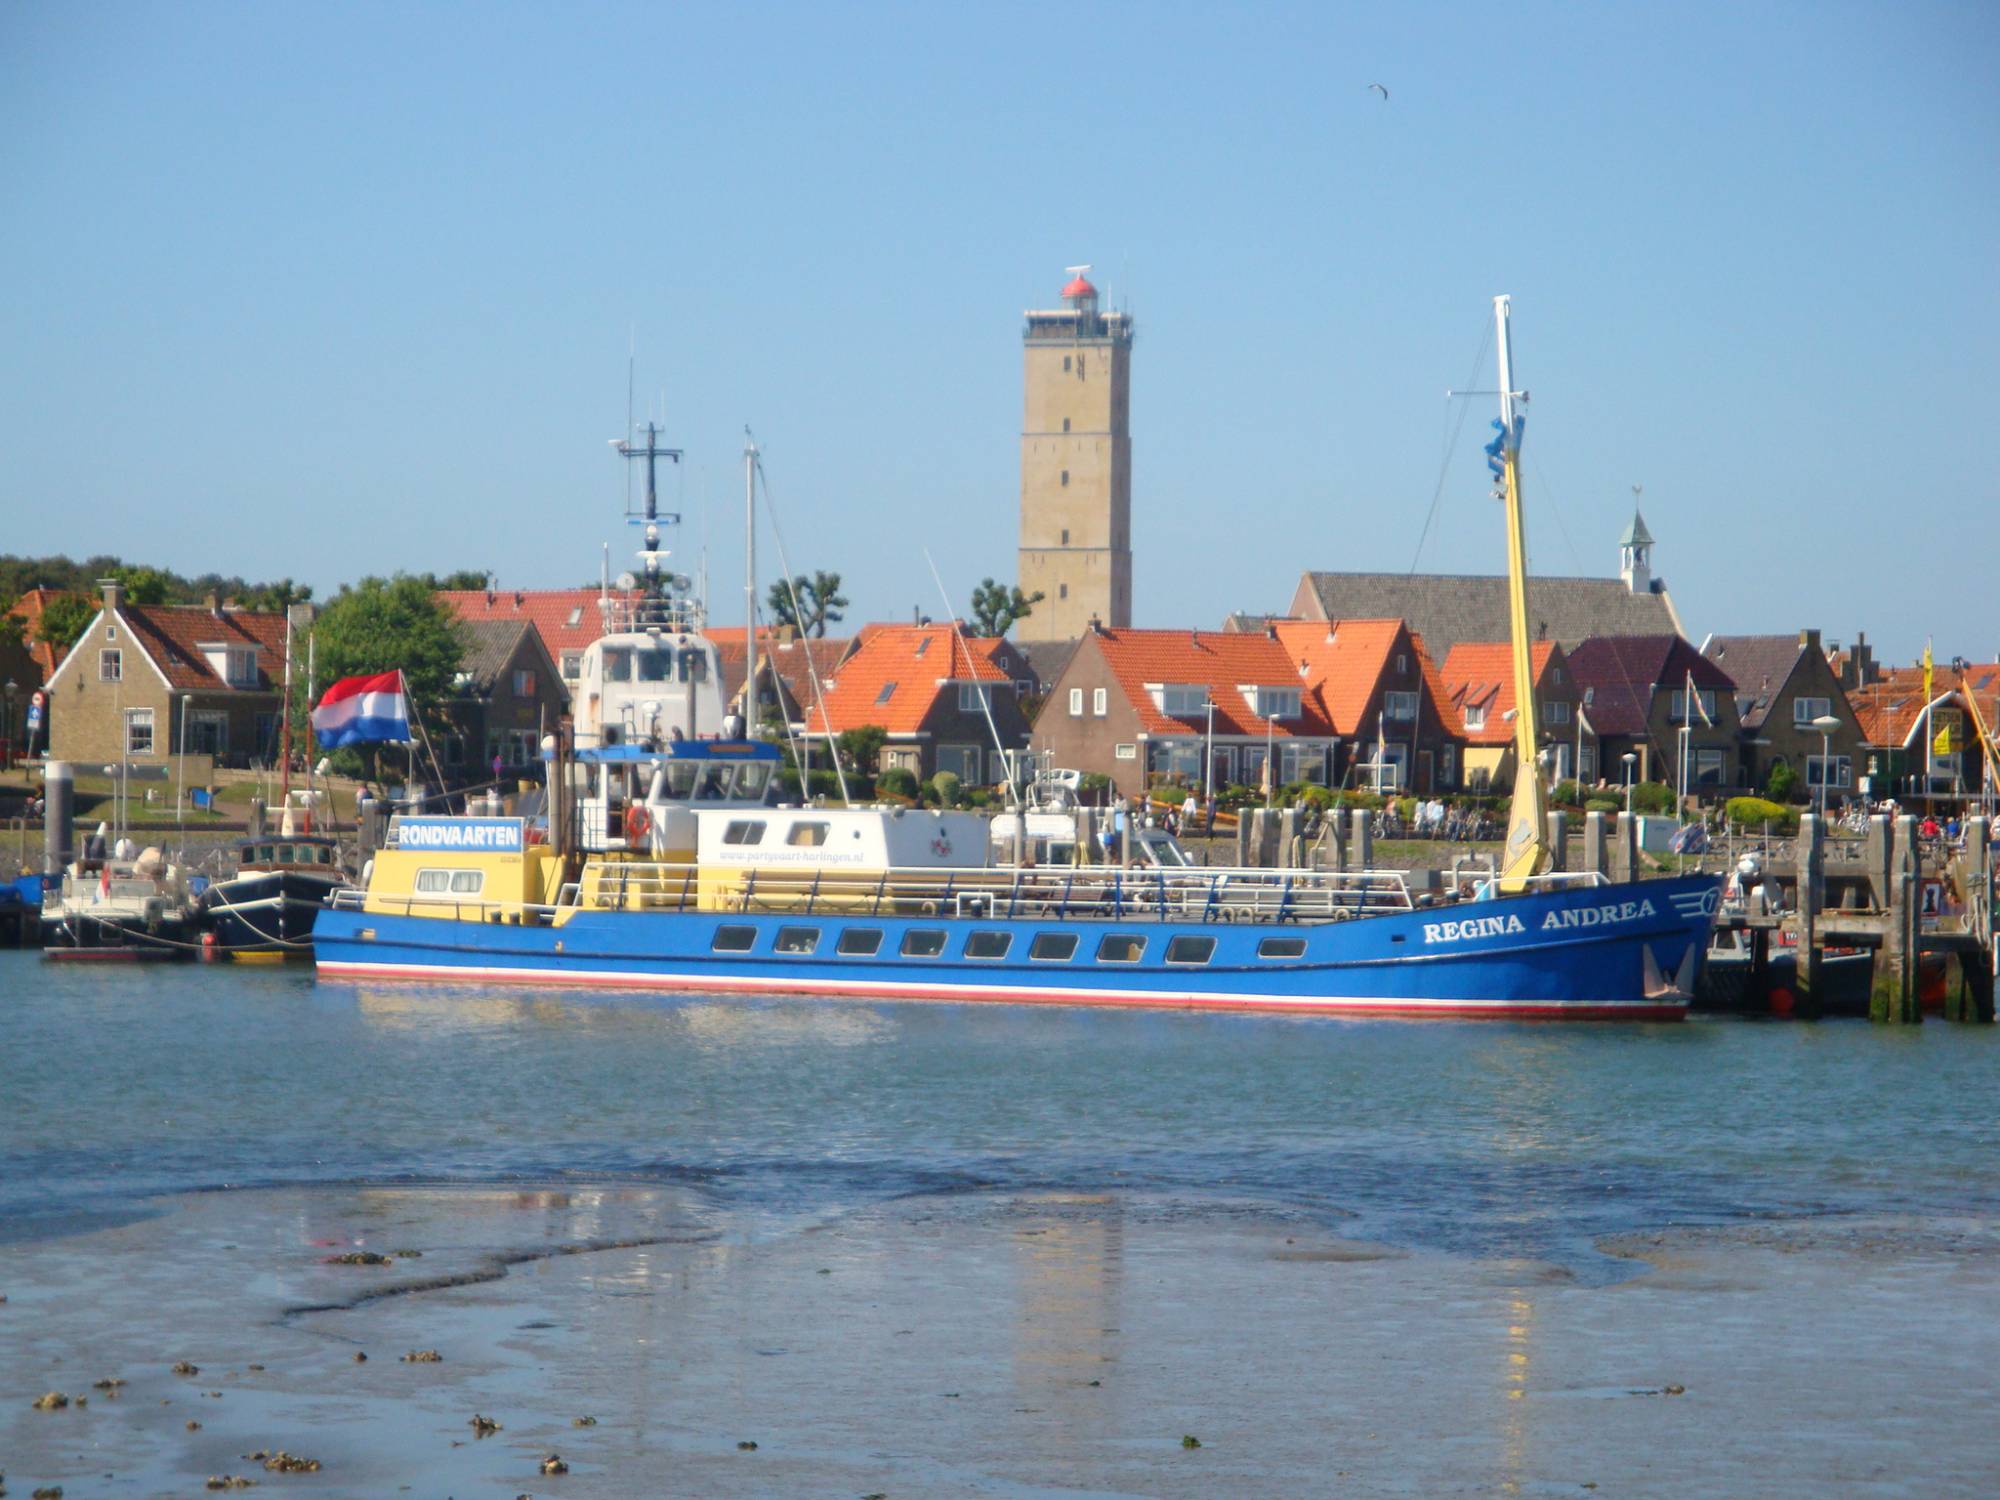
(1527, 850)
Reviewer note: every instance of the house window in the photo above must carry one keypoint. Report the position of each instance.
(524, 683)
(208, 732)
(575, 619)
(1708, 768)
(1065, 478)
(1277, 703)
(1677, 707)
(1475, 716)
(1402, 664)
(138, 731)
(1401, 706)
(1062, 591)
(1449, 773)
(1125, 752)
(1181, 700)
(572, 664)
(961, 760)
(1065, 429)
(1100, 702)
(1555, 711)
(1065, 364)
(1805, 710)
(974, 697)
(111, 666)
(1065, 540)
(1076, 703)
(1830, 771)
(1053, 947)
(267, 736)
(1482, 778)
(1586, 763)
(888, 691)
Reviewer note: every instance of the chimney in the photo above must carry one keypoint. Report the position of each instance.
(1270, 630)
(1096, 626)
(214, 602)
(1809, 640)
(114, 593)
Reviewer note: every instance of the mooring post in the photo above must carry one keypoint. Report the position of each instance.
(1364, 838)
(1594, 853)
(1894, 1000)
(1243, 838)
(1879, 856)
(1558, 842)
(1336, 830)
(1625, 849)
(1812, 899)
(1974, 1001)
(1288, 837)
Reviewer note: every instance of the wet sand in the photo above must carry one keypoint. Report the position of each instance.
(993, 1345)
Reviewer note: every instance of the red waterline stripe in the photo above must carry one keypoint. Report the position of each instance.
(1542, 1010)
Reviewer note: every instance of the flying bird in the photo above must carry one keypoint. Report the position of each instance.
(1380, 90)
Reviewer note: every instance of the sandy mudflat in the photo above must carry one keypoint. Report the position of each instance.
(983, 1346)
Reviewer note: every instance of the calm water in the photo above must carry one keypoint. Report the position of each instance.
(1483, 1139)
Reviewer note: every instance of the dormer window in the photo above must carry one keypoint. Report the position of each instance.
(1273, 702)
(1475, 716)
(1182, 700)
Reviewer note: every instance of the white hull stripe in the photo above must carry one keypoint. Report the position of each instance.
(634, 979)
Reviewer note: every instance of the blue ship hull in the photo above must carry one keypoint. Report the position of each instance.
(1626, 952)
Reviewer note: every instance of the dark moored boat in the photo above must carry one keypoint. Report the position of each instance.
(280, 887)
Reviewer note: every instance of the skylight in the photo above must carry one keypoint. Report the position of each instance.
(887, 689)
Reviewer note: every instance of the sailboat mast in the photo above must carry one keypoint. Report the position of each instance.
(1527, 851)
(749, 586)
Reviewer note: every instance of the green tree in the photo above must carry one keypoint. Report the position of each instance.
(276, 598)
(463, 581)
(809, 604)
(143, 585)
(10, 625)
(861, 747)
(996, 608)
(65, 618)
(382, 624)
(1783, 783)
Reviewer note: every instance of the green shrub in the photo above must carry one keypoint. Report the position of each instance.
(1565, 795)
(824, 784)
(1093, 788)
(1652, 797)
(979, 797)
(1755, 812)
(1784, 784)
(897, 782)
(946, 787)
(788, 784)
(1172, 796)
(1604, 805)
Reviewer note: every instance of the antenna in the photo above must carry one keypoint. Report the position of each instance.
(649, 553)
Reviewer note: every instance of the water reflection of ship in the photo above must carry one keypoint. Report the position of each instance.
(1069, 1260)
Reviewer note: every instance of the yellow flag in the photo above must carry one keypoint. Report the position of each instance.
(1927, 670)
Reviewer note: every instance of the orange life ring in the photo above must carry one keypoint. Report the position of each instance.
(638, 823)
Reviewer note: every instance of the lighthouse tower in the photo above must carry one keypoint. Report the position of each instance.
(1076, 466)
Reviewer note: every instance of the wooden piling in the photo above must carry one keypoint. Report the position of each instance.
(1973, 998)
(1894, 999)
(1808, 1001)
(1558, 841)
(1288, 837)
(1596, 859)
(1243, 839)
(1625, 849)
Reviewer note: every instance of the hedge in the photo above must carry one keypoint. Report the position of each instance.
(1756, 812)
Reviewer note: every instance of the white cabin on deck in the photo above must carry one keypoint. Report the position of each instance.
(645, 801)
(842, 838)
(652, 676)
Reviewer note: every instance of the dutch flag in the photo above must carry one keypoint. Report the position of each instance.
(362, 710)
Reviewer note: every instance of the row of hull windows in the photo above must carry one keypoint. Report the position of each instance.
(1046, 947)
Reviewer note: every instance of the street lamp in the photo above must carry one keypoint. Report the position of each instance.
(1826, 724)
(180, 779)
(1208, 766)
(1631, 760)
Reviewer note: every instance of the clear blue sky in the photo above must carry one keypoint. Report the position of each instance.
(322, 290)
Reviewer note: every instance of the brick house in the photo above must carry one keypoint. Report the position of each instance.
(1134, 705)
(786, 664)
(1634, 698)
(1479, 679)
(567, 620)
(1964, 706)
(507, 695)
(140, 673)
(1380, 692)
(1784, 683)
(925, 685)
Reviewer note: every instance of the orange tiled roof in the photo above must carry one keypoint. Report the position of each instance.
(565, 619)
(1481, 674)
(1342, 661)
(913, 663)
(29, 607)
(1890, 708)
(173, 635)
(1220, 661)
